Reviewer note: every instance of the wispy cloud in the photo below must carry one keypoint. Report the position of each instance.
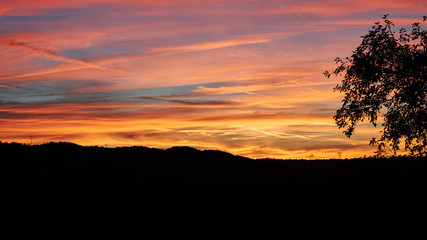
(157, 52)
(241, 40)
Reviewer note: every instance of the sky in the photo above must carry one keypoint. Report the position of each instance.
(242, 76)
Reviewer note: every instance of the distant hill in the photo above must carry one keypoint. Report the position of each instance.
(72, 162)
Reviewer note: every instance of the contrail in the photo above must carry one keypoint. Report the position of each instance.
(50, 54)
(6, 86)
(304, 18)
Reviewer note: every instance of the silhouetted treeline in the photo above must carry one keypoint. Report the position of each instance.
(71, 162)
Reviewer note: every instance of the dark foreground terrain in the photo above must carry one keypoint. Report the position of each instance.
(71, 162)
(180, 181)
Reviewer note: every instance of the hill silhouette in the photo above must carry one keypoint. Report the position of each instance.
(71, 162)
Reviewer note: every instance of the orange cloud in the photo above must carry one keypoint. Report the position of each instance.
(3, 11)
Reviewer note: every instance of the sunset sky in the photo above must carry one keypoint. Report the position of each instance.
(243, 76)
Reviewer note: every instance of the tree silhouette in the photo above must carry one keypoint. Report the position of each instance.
(388, 71)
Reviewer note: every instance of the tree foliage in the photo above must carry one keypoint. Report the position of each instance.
(387, 72)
